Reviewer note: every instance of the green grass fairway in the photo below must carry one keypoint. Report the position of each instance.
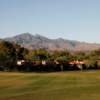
(76, 85)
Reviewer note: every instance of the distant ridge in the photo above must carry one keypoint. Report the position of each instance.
(30, 41)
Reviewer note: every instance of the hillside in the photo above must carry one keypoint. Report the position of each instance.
(30, 41)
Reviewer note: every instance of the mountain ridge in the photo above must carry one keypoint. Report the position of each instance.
(36, 41)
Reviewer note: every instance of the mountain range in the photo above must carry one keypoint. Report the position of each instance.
(30, 41)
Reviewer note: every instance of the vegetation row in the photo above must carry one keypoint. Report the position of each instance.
(14, 57)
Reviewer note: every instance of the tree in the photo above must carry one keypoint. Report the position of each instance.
(61, 55)
(21, 53)
(7, 53)
(39, 54)
(79, 55)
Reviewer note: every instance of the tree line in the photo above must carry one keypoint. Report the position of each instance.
(10, 53)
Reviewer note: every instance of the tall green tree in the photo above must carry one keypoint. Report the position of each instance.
(7, 51)
(21, 53)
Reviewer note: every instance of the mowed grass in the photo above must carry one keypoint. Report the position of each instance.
(76, 85)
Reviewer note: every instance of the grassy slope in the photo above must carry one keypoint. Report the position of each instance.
(50, 86)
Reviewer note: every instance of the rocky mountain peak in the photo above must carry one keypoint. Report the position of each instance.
(36, 41)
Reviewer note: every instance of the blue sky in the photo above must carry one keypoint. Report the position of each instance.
(69, 19)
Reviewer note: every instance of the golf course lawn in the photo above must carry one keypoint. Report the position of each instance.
(75, 85)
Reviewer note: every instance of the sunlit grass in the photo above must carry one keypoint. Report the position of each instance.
(76, 85)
